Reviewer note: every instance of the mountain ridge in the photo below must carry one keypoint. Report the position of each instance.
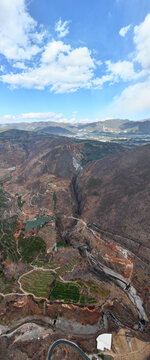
(109, 128)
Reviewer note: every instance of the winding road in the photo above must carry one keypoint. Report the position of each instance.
(74, 346)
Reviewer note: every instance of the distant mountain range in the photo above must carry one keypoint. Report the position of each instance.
(115, 128)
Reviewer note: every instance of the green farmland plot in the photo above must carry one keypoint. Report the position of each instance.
(97, 290)
(91, 292)
(68, 292)
(38, 283)
(46, 284)
(43, 284)
(31, 247)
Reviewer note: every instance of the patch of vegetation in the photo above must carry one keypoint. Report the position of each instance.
(7, 289)
(97, 290)
(38, 283)
(31, 247)
(8, 247)
(101, 356)
(58, 219)
(20, 202)
(36, 224)
(68, 292)
(43, 261)
(93, 183)
(95, 193)
(67, 267)
(61, 244)
(8, 284)
(54, 200)
(3, 199)
(43, 284)
(5, 178)
(79, 282)
(94, 150)
(85, 300)
(90, 290)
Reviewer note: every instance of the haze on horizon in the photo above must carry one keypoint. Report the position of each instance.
(69, 61)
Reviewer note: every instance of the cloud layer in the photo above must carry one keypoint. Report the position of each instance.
(29, 117)
(142, 42)
(62, 69)
(34, 59)
(135, 98)
(42, 116)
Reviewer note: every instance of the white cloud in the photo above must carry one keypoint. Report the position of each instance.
(41, 116)
(19, 38)
(52, 50)
(62, 69)
(134, 100)
(125, 70)
(20, 65)
(44, 116)
(33, 117)
(121, 70)
(123, 31)
(142, 42)
(7, 117)
(99, 82)
(62, 28)
(59, 67)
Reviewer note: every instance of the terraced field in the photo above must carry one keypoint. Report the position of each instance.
(60, 269)
(91, 292)
(38, 283)
(97, 290)
(7, 242)
(31, 247)
(45, 263)
(68, 266)
(47, 285)
(68, 292)
(43, 284)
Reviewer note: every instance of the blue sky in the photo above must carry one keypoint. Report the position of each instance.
(74, 60)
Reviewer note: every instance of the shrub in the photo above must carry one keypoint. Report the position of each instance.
(93, 183)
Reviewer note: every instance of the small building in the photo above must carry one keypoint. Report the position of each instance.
(104, 342)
